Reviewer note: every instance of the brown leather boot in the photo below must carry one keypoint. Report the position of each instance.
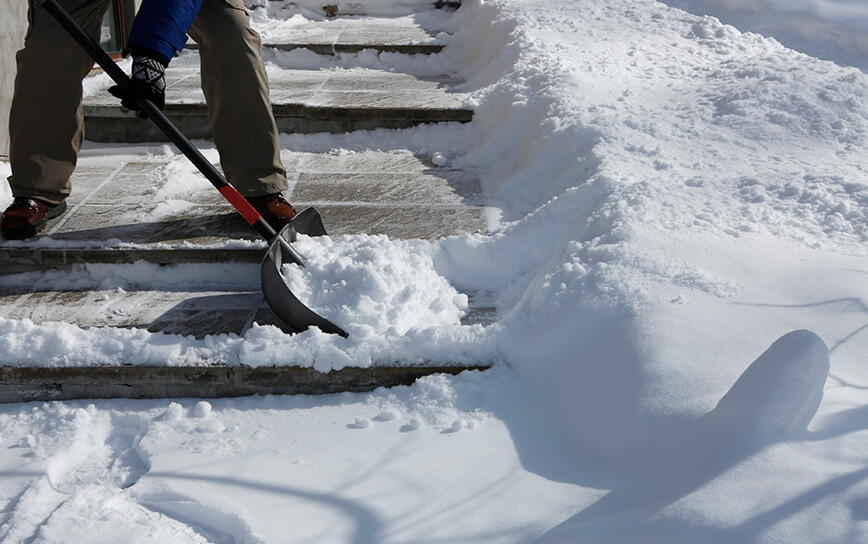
(27, 216)
(274, 209)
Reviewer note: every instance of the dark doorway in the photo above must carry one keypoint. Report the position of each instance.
(116, 26)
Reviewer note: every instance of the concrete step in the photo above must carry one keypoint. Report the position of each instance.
(348, 35)
(304, 101)
(340, 8)
(336, 48)
(214, 236)
(186, 313)
(396, 194)
(146, 382)
(168, 310)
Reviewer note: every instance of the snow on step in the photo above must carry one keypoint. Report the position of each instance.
(158, 300)
(145, 331)
(304, 101)
(178, 260)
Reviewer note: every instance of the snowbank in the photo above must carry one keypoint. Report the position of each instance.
(681, 195)
(835, 30)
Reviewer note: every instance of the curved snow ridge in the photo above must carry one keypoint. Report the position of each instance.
(692, 104)
(217, 523)
(779, 393)
(660, 128)
(592, 145)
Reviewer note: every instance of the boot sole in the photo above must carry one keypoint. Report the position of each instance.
(34, 228)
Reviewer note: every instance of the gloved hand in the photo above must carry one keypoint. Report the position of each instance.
(148, 80)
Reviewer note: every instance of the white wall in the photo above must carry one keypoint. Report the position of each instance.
(13, 25)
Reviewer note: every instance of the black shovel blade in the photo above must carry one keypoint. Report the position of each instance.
(308, 222)
(274, 286)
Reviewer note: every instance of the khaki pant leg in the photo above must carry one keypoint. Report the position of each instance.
(46, 123)
(236, 90)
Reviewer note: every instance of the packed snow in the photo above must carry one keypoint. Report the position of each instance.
(678, 265)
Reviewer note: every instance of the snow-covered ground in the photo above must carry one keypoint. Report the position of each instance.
(829, 29)
(679, 269)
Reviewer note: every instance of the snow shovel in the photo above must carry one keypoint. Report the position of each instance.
(281, 299)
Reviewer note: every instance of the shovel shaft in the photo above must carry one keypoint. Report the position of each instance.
(159, 118)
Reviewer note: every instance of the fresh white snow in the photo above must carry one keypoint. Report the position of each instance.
(829, 29)
(679, 269)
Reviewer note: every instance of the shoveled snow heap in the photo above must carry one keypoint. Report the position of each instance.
(376, 286)
(679, 273)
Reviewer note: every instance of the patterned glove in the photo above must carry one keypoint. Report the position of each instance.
(148, 81)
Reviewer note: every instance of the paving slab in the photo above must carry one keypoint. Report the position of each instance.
(454, 187)
(304, 101)
(349, 35)
(190, 313)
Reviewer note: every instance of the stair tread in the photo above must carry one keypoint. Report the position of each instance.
(340, 88)
(157, 208)
(352, 34)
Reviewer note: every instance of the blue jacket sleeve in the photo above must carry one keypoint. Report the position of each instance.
(161, 25)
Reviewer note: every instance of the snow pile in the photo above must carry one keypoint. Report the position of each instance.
(828, 29)
(376, 286)
(397, 308)
(681, 196)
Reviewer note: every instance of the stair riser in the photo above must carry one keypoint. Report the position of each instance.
(334, 49)
(142, 382)
(116, 127)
